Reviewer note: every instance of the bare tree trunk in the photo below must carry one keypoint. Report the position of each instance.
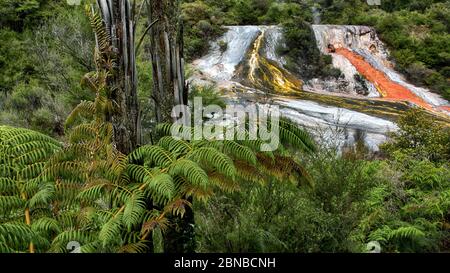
(170, 89)
(119, 20)
(166, 50)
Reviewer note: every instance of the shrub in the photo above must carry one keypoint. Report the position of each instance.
(420, 137)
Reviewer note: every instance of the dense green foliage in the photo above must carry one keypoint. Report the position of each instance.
(420, 138)
(302, 53)
(283, 217)
(401, 202)
(122, 199)
(62, 178)
(46, 51)
(47, 48)
(89, 192)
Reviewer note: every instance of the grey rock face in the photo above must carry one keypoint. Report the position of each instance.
(330, 124)
(364, 41)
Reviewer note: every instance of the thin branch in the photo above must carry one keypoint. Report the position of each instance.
(143, 35)
(139, 13)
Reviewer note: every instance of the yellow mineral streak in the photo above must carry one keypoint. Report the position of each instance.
(254, 58)
(280, 79)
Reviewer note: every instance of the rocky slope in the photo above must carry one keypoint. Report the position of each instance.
(245, 65)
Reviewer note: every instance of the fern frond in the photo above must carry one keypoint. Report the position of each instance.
(32, 170)
(9, 203)
(19, 235)
(212, 158)
(239, 151)
(4, 248)
(223, 183)
(155, 220)
(99, 28)
(138, 247)
(110, 231)
(46, 224)
(43, 196)
(92, 247)
(19, 149)
(289, 137)
(8, 186)
(82, 237)
(191, 171)
(83, 109)
(177, 207)
(82, 133)
(175, 146)
(33, 156)
(93, 193)
(162, 188)
(408, 232)
(154, 155)
(134, 209)
(16, 136)
(302, 140)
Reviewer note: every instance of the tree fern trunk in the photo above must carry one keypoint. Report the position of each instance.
(126, 120)
(170, 89)
(166, 51)
(28, 222)
(180, 237)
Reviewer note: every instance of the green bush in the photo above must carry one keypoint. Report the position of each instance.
(267, 218)
(408, 210)
(285, 217)
(302, 54)
(420, 137)
(202, 25)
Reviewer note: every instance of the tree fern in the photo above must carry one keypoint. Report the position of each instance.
(116, 190)
(406, 233)
(211, 158)
(23, 187)
(87, 191)
(110, 231)
(134, 210)
(191, 171)
(153, 155)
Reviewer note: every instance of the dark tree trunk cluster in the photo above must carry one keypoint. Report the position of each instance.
(169, 89)
(166, 50)
(119, 20)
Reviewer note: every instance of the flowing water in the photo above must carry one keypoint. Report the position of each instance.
(250, 70)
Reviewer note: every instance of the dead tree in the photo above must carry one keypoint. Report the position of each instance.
(119, 21)
(166, 50)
